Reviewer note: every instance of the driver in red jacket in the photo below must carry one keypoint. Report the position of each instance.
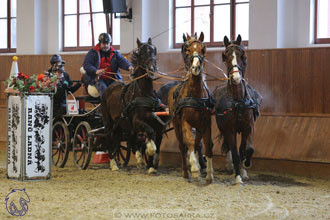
(101, 62)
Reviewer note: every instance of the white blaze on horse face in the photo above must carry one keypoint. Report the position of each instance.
(195, 67)
(236, 75)
(151, 148)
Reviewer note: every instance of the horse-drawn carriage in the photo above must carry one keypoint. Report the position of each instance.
(82, 134)
(128, 114)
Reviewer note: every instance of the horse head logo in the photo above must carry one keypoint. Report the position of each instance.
(17, 202)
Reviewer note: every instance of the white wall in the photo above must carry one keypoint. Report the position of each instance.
(25, 32)
(40, 27)
(37, 27)
(263, 24)
(280, 24)
(150, 19)
(156, 23)
(54, 26)
(293, 27)
(130, 30)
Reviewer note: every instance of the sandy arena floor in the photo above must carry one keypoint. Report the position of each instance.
(98, 193)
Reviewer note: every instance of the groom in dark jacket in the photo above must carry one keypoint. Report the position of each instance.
(102, 64)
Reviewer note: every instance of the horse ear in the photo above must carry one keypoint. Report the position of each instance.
(226, 41)
(238, 40)
(184, 38)
(138, 42)
(188, 37)
(149, 40)
(195, 35)
(201, 37)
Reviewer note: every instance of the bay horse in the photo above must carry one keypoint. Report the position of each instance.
(190, 106)
(237, 106)
(127, 110)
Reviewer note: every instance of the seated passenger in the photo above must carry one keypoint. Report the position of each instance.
(64, 85)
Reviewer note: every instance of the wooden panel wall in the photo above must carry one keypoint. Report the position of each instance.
(295, 84)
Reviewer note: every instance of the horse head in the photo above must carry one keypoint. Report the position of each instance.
(235, 59)
(144, 59)
(193, 52)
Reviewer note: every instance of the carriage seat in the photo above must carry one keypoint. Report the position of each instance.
(89, 99)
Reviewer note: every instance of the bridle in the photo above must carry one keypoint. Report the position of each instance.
(142, 59)
(186, 45)
(231, 70)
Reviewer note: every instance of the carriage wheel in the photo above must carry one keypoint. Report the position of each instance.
(123, 155)
(60, 144)
(82, 146)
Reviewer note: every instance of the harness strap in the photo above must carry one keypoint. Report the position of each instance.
(190, 101)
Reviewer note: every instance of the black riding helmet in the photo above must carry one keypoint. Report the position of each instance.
(56, 58)
(104, 38)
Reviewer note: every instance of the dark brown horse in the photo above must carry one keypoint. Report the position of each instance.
(190, 106)
(127, 110)
(237, 106)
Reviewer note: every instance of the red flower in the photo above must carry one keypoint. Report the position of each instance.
(31, 88)
(26, 76)
(20, 75)
(40, 77)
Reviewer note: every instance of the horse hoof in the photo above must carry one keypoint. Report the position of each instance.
(152, 170)
(140, 166)
(113, 165)
(203, 172)
(209, 179)
(238, 180)
(156, 160)
(247, 164)
(196, 176)
(185, 175)
(244, 174)
(229, 168)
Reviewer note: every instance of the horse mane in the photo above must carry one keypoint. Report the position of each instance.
(135, 57)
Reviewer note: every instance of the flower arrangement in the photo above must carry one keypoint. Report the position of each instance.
(32, 84)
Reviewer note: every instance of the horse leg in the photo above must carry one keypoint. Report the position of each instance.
(247, 148)
(209, 154)
(150, 144)
(159, 138)
(113, 147)
(236, 159)
(182, 147)
(199, 150)
(151, 149)
(138, 148)
(189, 140)
(229, 163)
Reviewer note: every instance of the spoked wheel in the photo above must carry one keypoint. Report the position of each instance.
(82, 146)
(60, 144)
(123, 155)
